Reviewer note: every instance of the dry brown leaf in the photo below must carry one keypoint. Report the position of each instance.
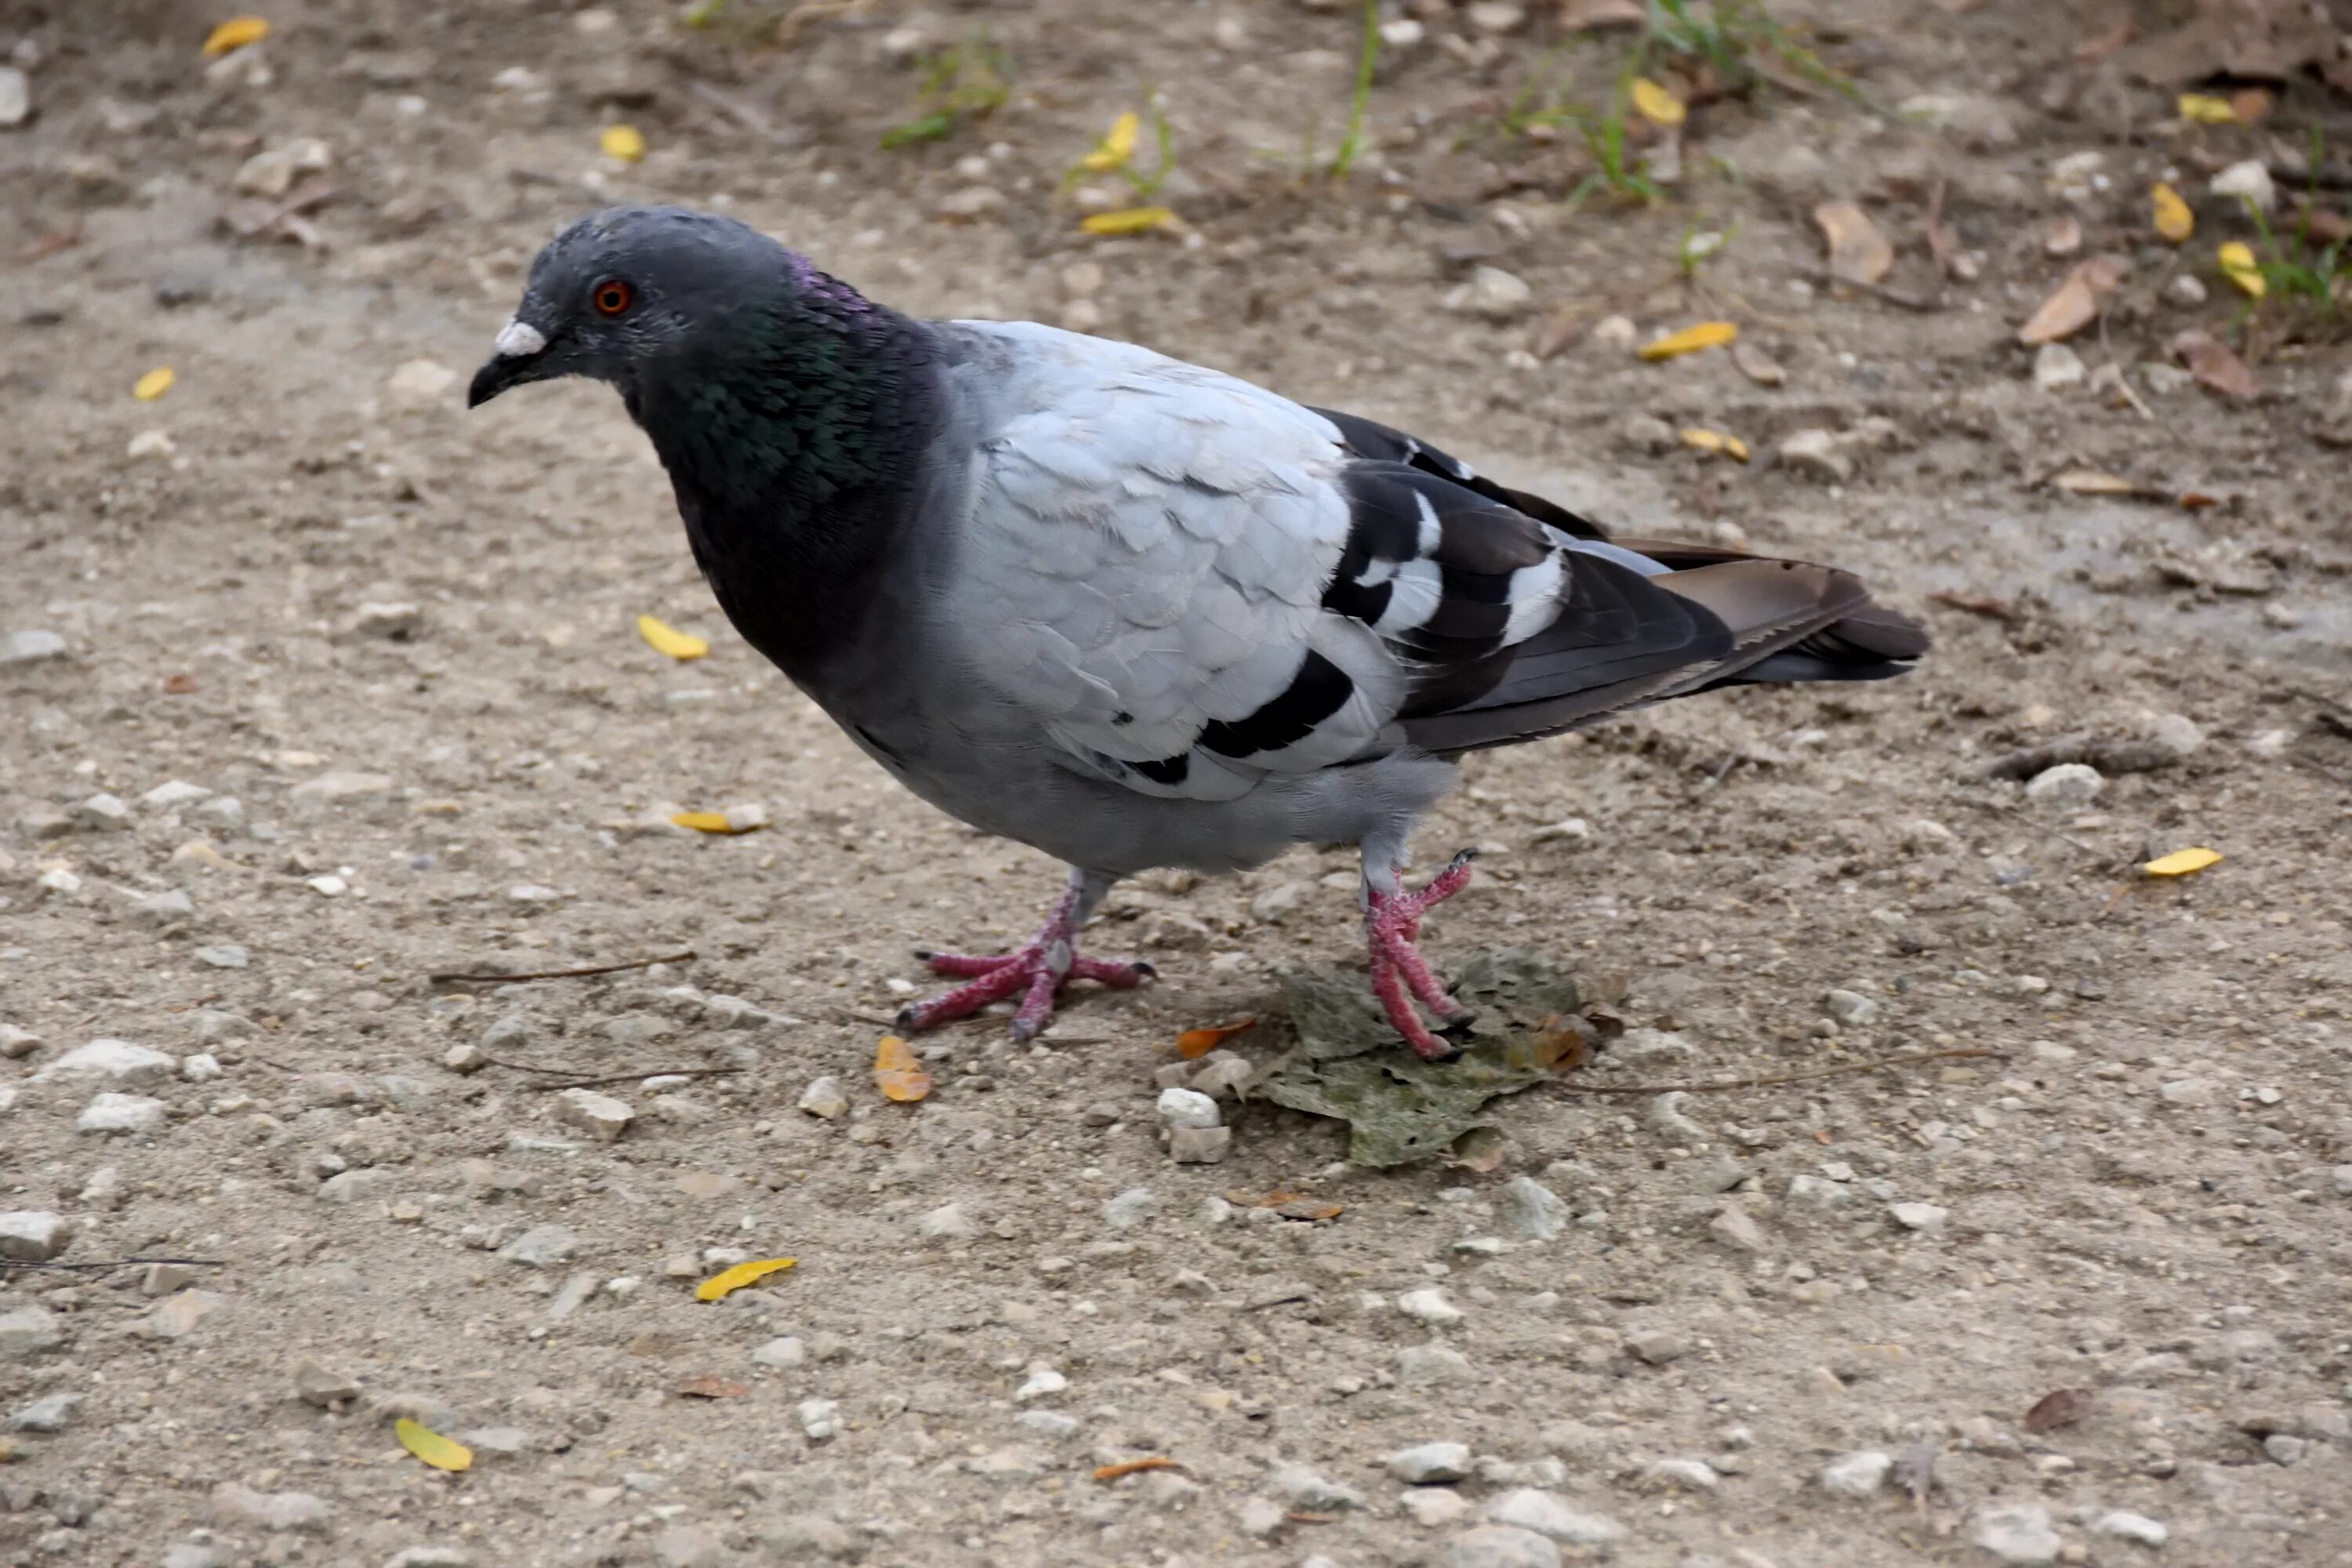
(1756, 365)
(2064, 237)
(2212, 362)
(2065, 1408)
(1481, 1149)
(1134, 1467)
(1308, 1209)
(1858, 252)
(708, 1386)
(179, 685)
(2076, 301)
(1194, 1044)
(2251, 106)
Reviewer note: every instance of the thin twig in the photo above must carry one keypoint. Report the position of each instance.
(1771, 1079)
(459, 977)
(115, 1263)
(629, 1077)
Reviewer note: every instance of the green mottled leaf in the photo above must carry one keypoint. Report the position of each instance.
(1351, 1066)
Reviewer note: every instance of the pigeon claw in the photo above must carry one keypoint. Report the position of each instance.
(1035, 973)
(1399, 974)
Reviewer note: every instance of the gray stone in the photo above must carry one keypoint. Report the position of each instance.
(2068, 783)
(1548, 1516)
(17, 1042)
(819, 1419)
(430, 1557)
(1493, 293)
(1434, 1508)
(782, 1353)
(541, 1246)
(1690, 1475)
(1924, 1217)
(133, 1113)
(33, 1235)
(1260, 1517)
(1309, 1489)
(1187, 1108)
(2020, 1534)
(1815, 453)
(1501, 1546)
(1858, 1475)
(810, 1538)
(1429, 1306)
(1428, 1464)
(2284, 1447)
(15, 101)
(118, 1061)
(824, 1099)
(357, 1186)
(1131, 1207)
(102, 812)
(315, 1385)
(176, 1316)
(210, 1026)
(2057, 368)
(174, 791)
(31, 648)
(196, 1554)
(1200, 1145)
(2128, 1526)
(1850, 1007)
(49, 1413)
(224, 955)
(1657, 1345)
(335, 786)
(947, 1223)
(1432, 1366)
(1530, 1210)
(236, 1504)
(167, 907)
(599, 1116)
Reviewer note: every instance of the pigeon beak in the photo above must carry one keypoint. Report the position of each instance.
(515, 358)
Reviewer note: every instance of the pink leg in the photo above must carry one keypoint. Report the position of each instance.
(1391, 924)
(1035, 973)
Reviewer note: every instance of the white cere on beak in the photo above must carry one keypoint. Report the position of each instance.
(518, 339)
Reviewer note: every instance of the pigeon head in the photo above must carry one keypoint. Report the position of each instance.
(628, 294)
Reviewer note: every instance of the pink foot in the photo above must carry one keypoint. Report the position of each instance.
(1391, 924)
(1050, 960)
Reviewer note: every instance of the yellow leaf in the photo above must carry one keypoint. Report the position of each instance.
(1115, 148)
(1194, 1044)
(726, 1282)
(441, 1453)
(1700, 439)
(624, 143)
(235, 33)
(898, 1073)
(679, 646)
(153, 385)
(1690, 339)
(2238, 266)
(2174, 221)
(1657, 105)
(708, 822)
(2181, 863)
(2204, 109)
(1128, 220)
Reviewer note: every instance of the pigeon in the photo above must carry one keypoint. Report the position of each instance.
(1130, 611)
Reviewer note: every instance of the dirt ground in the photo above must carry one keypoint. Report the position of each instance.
(392, 646)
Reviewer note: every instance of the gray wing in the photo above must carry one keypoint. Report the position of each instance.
(1189, 584)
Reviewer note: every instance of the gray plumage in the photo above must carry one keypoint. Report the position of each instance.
(1128, 610)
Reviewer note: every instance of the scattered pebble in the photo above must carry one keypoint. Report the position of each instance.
(1529, 1209)
(31, 648)
(1429, 1306)
(29, 1331)
(2248, 181)
(1430, 1367)
(947, 1223)
(1200, 1145)
(819, 1419)
(1434, 1508)
(315, 1385)
(46, 1415)
(1548, 1516)
(17, 1042)
(2186, 290)
(15, 97)
(119, 1061)
(782, 1353)
(2057, 368)
(2128, 1526)
(1813, 453)
(1736, 1228)
(1428, 1464)
(541, 1246)
(236, 1504)
(1501, 1546)
(1493, 293)
(2068, 783)
(1857, 1474)
(120, 1113)
(599, 1116)
(1925, 1217)
(1187, 1108)
(33, 1235)
(2020, 1534)
(1657, 1345)
(1131, 1207)
(1309, 1489)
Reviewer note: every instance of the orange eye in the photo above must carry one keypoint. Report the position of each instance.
(611, 297)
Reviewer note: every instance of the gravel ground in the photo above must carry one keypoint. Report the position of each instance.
(313, 687)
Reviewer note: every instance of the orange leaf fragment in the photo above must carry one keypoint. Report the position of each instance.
(1858, 252)
(709, 1388)
(898, 1073)
(1136, 1467)
(1193, 1043)
(235, 33)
